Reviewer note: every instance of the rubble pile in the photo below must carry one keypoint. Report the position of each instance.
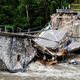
(56, 43)
(52, 51)
(62, 38)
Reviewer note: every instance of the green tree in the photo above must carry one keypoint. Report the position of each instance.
(29, 13)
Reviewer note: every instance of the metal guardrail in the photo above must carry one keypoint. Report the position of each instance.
(6, 28)
(11, 29)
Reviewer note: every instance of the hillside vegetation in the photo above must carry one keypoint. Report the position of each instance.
(25, 14)
(76, 5)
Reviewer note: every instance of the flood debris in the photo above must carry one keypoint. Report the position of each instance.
(63, 39)
(74, 62)
(54, 44)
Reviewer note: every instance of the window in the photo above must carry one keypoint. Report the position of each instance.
(18, 57)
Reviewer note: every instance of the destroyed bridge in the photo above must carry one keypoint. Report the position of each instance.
(17, 50)
(54, 43)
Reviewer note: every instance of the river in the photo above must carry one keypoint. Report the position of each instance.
(37, 71)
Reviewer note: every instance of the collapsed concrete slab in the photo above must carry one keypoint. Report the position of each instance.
(73, 46)
(53, 36)
(16, 53)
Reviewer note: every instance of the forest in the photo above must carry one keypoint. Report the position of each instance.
(29, 14)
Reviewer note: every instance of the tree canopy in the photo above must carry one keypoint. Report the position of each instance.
(29, 13)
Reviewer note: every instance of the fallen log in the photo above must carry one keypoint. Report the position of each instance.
(20, 35)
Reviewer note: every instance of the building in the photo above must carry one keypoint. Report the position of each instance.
(68, 20)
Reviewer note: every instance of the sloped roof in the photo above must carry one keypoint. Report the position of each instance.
(74, 45)
(53, 37)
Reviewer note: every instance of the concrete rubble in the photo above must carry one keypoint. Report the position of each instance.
(56, 43)
(63, 37)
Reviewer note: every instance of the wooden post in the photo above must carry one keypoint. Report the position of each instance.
(12, 29)
(5, 29)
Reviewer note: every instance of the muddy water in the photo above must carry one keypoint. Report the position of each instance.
(37, 71)
(15, 53)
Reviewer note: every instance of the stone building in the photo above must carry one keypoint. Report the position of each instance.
(67, 20)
